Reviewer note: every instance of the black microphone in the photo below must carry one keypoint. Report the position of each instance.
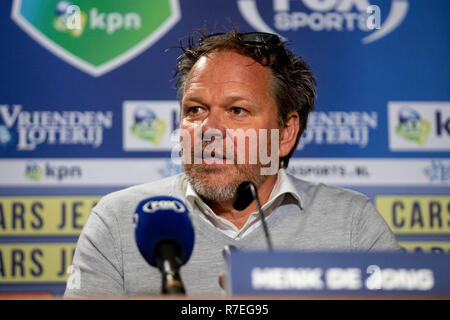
(245, 194)
(165, 238)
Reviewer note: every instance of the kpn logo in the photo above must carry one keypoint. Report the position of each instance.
(419, 126)
(149, 125)
(50, 172)
(96, 36)
(411, 126)
(69, 18)
(286, 16)
(33, 171)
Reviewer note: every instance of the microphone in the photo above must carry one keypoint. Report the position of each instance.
(165, 238)
(245, 194)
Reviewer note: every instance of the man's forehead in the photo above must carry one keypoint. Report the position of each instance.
(228, 67)
(228, 62)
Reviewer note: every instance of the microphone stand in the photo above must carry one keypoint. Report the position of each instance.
(245, 194)
(168, 262)
(261, 215)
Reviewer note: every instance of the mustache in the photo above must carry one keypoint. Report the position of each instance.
(212, 148)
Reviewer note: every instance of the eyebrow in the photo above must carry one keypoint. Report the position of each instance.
(228, 100)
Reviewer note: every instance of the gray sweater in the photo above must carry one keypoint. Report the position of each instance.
(109, 262)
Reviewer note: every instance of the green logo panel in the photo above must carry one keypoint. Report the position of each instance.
(96, 35)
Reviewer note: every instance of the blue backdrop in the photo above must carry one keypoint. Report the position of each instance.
(68, 109)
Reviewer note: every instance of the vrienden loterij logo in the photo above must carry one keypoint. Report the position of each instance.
(324, 16)
(96, 36)
(30, 128)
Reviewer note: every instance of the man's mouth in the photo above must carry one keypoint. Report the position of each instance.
(212, 158)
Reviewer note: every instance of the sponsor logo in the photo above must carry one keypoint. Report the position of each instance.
(45, 215)
(339, 128)
(35, 128)
(438, 171)
(152, 206)
(324, 16)
(419, 126)
(69, 19)
(411, 126)
(148, 125)
(372, 172)
(34, 263)
(35, 172)
(96, 36)
(320, 171)
(415, 214)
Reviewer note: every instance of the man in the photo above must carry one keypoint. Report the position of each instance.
(229, 82)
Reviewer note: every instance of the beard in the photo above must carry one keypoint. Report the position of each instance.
(220, 184)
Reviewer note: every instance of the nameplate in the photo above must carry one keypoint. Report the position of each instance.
(330, 273)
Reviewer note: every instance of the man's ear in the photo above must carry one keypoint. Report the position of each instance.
(289, 133)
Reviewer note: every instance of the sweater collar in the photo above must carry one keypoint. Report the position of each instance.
(282, 186)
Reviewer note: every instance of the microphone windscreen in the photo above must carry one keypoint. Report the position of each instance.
(163, 218)
(244, 196)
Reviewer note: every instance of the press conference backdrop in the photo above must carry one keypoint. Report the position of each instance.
(88, 106)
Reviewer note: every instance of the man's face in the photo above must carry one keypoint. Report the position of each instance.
(223, 91)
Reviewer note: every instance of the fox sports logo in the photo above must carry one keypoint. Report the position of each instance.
(322, 15)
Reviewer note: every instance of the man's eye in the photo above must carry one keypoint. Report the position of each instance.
(194, 110)
(238, 111)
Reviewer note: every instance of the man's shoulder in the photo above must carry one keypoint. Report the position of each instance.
(128, 198)
(169, 186)
(317, 190)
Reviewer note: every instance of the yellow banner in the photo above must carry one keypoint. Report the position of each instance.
(44, 215)
(35, 263)
(415, 214)
(427, 247)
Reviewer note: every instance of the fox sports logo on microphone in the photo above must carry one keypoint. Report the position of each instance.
(156, 205)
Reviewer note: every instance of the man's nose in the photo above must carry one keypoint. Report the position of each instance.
(214, 125)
